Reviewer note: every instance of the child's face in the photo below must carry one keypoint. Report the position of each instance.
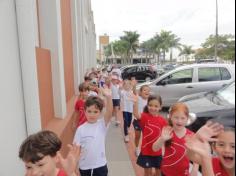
(145, 93)
(179, 120)
(84, 93)
(154, 107)
(225, 148)
(93, 87)
(92, 114)
(127, 86)
(44, 167)
(115, 81)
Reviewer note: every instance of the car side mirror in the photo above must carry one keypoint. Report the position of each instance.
(164, 82)
(192, 118)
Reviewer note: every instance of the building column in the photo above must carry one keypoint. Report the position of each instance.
(28, 40)
(51, 38)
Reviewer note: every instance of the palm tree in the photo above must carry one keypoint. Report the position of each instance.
(174, 43)
(186, 51)
(132, 39)
(120, 48)
(168, 41)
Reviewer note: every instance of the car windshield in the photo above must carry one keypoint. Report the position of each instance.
(228, 93)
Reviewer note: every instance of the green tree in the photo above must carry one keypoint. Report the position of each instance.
(132, 40)
(120, 48)
(186, 51)
(167, 41)
(225, 47)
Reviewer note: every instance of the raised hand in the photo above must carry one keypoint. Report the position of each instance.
(197, 149)
(106, 91)
(209, 131)
(133, 97)
(134, 83)
(167, 133)
(69, 164)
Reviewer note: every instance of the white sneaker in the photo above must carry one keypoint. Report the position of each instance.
(137, 152)
(126, 139)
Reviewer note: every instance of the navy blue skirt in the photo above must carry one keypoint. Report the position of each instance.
(148, 162)
(136, 125)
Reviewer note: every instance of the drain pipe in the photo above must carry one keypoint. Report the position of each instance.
(27, 35)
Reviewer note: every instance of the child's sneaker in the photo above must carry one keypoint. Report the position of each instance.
(137, 152)
(126, 139)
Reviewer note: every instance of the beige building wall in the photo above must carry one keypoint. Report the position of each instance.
(45, 49)
(103, 42)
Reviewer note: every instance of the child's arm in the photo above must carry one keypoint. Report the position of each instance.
(202, 137)
(201, 152)
(75, 119)
(69, 164)
(207, 168)
(195, 170)
(109, 105)
(167, 134)
(136, 113)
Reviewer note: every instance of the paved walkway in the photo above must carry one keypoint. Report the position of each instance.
(118, 158)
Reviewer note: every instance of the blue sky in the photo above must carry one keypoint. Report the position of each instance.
(191, 20)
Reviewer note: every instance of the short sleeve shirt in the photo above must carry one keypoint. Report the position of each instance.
(79, 106)
(141, 104)
(61, 173)
(127, 103)
(115, 89)
(175, 160)
(218, 168)
(151, 128)
(91, 138)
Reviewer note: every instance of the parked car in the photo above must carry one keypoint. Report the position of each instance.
(140, 72)
(191, 79)
(159, 69)
(169, 67)
(200, 61)
(216, 106)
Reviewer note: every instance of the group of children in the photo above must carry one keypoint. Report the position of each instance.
(168, 148)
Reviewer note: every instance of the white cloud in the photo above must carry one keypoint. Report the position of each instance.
(192, 20)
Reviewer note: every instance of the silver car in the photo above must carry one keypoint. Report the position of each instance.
(191, 79)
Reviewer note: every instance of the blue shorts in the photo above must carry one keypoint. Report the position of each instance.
(136, 125)
(116, 103)
(101, 171)
(148, 162)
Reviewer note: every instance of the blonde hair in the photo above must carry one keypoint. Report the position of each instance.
(179, 107)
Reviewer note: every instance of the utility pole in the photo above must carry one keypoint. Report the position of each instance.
(217, 35)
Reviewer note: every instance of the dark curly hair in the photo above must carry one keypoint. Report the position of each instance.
(39, 145)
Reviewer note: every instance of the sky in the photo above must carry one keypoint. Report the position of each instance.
(191, 20)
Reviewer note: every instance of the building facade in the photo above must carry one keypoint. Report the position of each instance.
(46, 47)
(103, 42)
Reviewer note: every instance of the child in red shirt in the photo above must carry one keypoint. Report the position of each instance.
(79, 113)
(40, 153)
(151, 123)
(172, 141)
(224, 147)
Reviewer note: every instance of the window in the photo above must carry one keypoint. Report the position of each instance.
(181, 77)
(140, 69)
(131, 70)
(209, 74)
(225, 75)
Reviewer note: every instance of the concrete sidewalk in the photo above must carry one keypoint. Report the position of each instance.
(118, 158)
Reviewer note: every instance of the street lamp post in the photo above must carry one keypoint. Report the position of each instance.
(217, 35)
